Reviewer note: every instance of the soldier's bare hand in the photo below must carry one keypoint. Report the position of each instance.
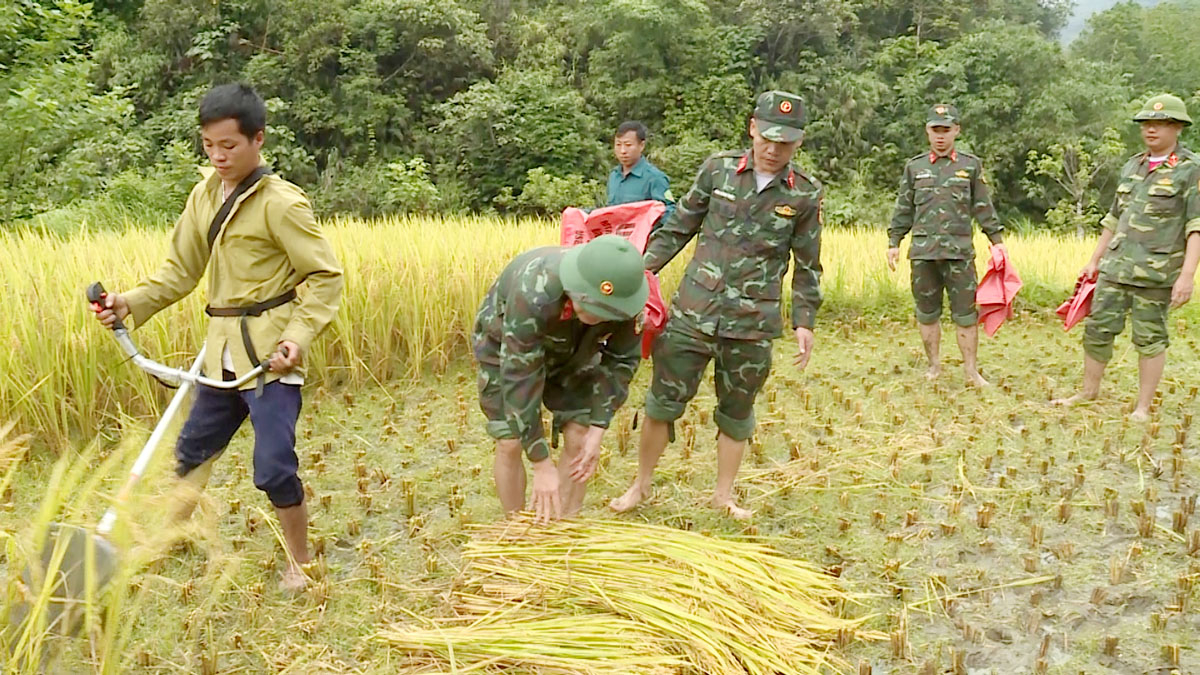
(1181, 292)
(893, 256)
(114, 308)
(1090, 271)
(804, 341)
(287, 358)
(584, 465)
(547, 505)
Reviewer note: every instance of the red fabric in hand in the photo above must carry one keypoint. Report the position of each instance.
(1078, 305)
(996, 291)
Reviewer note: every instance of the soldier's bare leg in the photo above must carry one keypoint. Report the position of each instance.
(931, 339)
(1093, 373)
(294, 522)
(1149, 374)
(729, 459)
(509, 474)
(968, 344)
(654, 439)
(571, 491)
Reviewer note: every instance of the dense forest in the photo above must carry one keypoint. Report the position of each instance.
(390, 106)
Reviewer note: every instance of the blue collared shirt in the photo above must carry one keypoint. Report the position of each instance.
(644, 181)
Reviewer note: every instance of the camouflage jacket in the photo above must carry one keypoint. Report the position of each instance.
(1151, 216)
(733, 285)
(938, 197)
(525, 315)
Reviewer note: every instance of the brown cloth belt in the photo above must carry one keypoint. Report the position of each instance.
(252, 310)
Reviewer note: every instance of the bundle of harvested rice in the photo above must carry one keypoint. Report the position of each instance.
(719, 606)
(542, 643)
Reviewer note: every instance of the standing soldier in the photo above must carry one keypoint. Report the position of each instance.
(635, 179)
(257, 236)
(941, 191)
(750, 209)
(558, 328)
(1147, 254)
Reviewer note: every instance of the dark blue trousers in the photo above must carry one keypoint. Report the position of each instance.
(215, 418)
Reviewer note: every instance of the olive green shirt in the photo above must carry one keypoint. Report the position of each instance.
(269, 244)
(1152, 214)
(938, 198)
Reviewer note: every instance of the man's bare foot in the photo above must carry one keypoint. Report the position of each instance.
(1072, 400)
(728, 505)
(974, 379)
(630, 500)
(293, 580)
(933, 372)
(1139, 416)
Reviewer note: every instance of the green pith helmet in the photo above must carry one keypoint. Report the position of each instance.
(606, 277)
(780, 116)
(941, 115)
(1163, 107)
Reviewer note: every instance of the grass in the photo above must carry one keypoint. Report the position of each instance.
(980, 531)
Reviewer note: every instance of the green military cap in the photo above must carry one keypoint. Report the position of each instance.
(606, 277)
(941, 115)
(1163, 107)
(780, 116)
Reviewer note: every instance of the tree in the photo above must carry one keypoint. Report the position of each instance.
(1076, 168)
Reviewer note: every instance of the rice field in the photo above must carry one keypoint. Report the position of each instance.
(944, 530)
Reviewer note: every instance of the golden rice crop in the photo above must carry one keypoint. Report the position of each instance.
(719, 606)
(412, 288)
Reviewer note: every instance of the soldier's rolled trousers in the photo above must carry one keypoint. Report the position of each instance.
(1111, 303)
(955, 278)
(567, 397)
(681, 355)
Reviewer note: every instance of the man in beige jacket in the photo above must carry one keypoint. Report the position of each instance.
(257, 235)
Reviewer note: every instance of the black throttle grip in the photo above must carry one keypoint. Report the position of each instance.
(96, 295)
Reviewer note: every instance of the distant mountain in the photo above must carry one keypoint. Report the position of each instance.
(1086, 8)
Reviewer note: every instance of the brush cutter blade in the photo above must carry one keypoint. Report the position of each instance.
(72, 558)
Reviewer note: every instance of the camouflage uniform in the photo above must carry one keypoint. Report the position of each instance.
(532, 351)
(1151, 217)
(728, 306)
(938, 198)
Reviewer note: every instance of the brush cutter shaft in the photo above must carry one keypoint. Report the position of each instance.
(143, 459)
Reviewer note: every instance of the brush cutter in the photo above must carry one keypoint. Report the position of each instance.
(76, 558)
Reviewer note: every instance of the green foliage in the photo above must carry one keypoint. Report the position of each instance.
(1076, 168)
(486, 92)
(547, 195)
(494, 133)
(380, 188)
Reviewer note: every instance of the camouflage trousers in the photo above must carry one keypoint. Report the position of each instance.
(567, 395)
(956, 278)
(1111, 303)
(682, 353)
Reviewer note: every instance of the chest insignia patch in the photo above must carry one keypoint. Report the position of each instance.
(923, 174)
(723, 195)
(785, 211)
(962, 173)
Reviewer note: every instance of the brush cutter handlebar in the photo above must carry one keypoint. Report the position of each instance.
(165, 374)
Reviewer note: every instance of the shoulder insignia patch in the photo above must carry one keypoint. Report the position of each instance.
(785, 210)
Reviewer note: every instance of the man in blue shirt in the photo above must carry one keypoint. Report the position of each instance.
(635, 179)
